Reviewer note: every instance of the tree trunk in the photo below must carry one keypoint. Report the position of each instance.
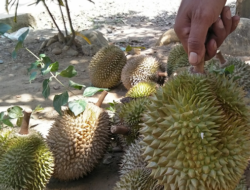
(243, 8)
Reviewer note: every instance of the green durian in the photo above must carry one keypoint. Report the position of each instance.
(132, 158)
(106, 66)
(5, 136)
(130, 115)
(27, 162)
(241, 71)
(78, 142)
(138, 179)
(142, 68)
(142, 89)
(197, 133)
(177, 58)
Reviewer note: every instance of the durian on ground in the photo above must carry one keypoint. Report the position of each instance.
(106, 66)
(142, 89)
(26, 162)
(142, 68)
(78, 142)
(196, 131)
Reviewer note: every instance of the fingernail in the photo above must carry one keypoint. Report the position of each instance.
(220, 23)
(193, 58)
(228, 14)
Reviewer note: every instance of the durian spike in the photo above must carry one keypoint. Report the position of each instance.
(199, 68)
(220, 57)
(162, 74)
(119, 129)
(101, 98)
(25, 123)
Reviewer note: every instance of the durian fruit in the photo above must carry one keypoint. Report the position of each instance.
(26, 162)
(142, 89)
(78, 142)
(177, 58)
(242, 184)
(106, 66)
(142, 68)
(131, 116)
(5, 136)
(132, 158)
(137, 179)
(197, 133)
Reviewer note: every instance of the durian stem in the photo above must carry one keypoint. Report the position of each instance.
(162, 74)
(220, 57)
(25, 123)
(200, 67)
(101, 98)
(119, 129)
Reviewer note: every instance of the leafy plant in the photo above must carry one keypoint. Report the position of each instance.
(43, 65)
(14, 112)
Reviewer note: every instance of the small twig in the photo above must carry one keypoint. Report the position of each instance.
(162, 74)
(64, 23)
(220, 57)
(200, 67)
(71, 25)
(25, 123)
(119, 129)
(101, 98)
(32, 53)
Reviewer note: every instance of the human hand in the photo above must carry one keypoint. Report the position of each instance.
(201, 30)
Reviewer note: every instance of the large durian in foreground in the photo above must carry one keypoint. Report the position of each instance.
(142, 68)
(27, 162)
(142, 89)
(78, 142)
(197, 133)
(177, 58)
(106, 66)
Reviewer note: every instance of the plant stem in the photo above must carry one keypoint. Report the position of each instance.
(47, 8)
(71, 26)
(64, 23)
(32, 53)
(25, 123)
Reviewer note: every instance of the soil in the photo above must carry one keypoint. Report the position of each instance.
(134, 25)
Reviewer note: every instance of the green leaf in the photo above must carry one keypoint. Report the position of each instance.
(69, 72)
(14, 54)
(1, 115)
(7, 122)
(60, 2)
(128, 48)
(77, 106)
(38, 108)
(60, 100)
(46, 88)
(33, 76)
(15, 112)
(90, 91)
(47, 62)
(54, 67)
(42, 55)
(229, 69)
(19, 121)
(19, 45)
(76, 85)
(4, 28)
(34, 65)
(23, 36)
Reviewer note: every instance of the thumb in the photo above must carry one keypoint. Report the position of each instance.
(196, 42)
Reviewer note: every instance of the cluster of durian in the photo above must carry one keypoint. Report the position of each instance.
(196, 133)
(142, 68)
(78, 142)
(134, 174)
(25, 160)
(106, 66)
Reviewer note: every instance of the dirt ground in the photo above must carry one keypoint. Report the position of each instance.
(126, 29)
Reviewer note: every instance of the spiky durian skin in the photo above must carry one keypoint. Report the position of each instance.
(177, 58)
(78, 142)
(196, 130)
(27, 163)
(132, 158)
(142, 89)
(106, 66)
(137, 179)
(141, 68)
(242, 184)
(131, 115)
(5, 136)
